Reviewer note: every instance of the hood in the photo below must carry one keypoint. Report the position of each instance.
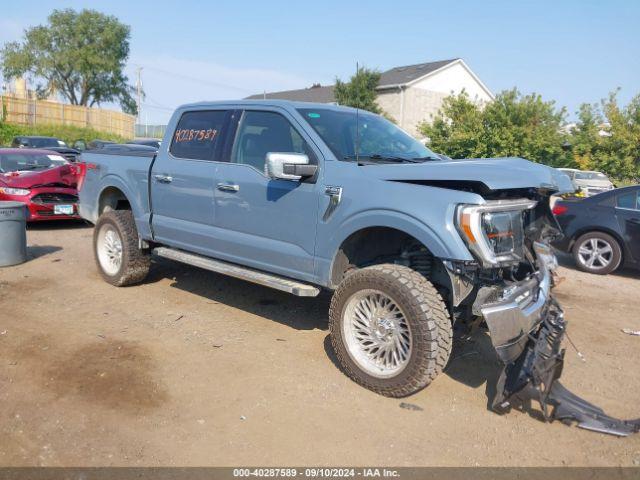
(64, 175)
(493, 173)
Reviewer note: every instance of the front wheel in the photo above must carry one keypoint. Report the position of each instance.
(115, 245)
(390, 329)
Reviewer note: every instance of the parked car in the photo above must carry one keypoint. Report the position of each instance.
(43, 180)
(50, 143)
(602, 232)
(305, 197)
(589, 182)
(34, 141)
(150, 142)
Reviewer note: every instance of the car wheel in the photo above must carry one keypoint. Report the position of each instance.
(115, 244)
(390, 329)
(597, 252)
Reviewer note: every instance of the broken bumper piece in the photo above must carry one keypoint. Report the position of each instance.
(534, 375)
(527, 327)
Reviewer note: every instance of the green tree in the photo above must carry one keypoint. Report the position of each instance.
(511, 125)
(359, 91)
(616, 151)
(81, 55)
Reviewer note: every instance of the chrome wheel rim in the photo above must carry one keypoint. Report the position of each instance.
(109, 248)
(595, 253)
(376, 333)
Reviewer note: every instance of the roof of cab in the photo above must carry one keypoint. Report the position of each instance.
(286, 104)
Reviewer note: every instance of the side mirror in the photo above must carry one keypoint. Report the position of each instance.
(288, 166)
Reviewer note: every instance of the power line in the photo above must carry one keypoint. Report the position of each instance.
(197, 80)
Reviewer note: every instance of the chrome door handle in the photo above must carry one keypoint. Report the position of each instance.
(228, 187)
(163, 178)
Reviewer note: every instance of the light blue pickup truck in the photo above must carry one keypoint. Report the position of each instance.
(304, 197)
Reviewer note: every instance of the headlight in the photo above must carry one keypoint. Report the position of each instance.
(15, 191)
(494, 231)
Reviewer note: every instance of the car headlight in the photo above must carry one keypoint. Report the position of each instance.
(15, 191)
(494, 231)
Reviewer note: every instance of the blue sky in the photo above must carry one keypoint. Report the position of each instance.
(571, 51)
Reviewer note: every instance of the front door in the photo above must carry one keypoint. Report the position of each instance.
(182, 182)
(628, 213)
(264, 223)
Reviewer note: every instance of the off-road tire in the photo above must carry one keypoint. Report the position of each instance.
(616, 258)
(426, 314)
(135, 263)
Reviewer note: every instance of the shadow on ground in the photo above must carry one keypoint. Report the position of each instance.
(58, 225)
(473, 362)
(566, 260)
(37, 251)
(299, 313)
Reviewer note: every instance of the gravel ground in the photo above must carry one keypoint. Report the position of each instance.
(193, 368)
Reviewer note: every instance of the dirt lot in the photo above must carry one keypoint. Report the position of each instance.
(193, 368)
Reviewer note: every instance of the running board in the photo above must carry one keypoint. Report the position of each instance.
(237, 271)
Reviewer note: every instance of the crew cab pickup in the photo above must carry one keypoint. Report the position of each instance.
(306, 197)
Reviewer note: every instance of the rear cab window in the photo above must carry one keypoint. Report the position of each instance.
(198, 134)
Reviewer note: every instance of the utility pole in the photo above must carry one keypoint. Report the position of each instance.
(139, 90)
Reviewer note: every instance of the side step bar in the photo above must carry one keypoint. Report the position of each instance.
(237, 271)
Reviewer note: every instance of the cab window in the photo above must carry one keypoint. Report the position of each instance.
(197, 134)
(262, 132)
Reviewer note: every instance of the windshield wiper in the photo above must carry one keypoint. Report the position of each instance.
(384, 158)
(428, 158)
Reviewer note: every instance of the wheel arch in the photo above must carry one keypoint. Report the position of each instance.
(374, 244)
(112, 198)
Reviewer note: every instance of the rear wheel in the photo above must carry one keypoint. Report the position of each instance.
(390, 329)
(597, 252)
(115, 243)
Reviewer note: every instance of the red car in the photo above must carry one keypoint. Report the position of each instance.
(42, 179)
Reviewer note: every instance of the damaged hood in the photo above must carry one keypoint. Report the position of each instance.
(64, 175)
(494, 173)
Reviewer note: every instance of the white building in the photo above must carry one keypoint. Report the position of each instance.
(410, 94)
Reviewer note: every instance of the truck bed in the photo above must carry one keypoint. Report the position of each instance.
(128, 172)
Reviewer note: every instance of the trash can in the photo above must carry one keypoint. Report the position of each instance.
(13, 233)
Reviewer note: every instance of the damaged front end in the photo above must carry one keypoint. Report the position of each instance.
(514, 297)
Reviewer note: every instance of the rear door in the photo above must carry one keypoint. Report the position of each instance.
(628, 214)
(264, 223)
(182, 181)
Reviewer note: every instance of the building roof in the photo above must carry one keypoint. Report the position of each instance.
(317, 94)
(407, 74)
(396, 76)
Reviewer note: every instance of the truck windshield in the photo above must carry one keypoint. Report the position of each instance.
(375, 139)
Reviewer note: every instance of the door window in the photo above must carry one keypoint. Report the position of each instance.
(263, 132)
(197, 134)
(629, 200)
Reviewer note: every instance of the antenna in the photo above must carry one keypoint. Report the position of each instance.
(357, 124)
(139, 90)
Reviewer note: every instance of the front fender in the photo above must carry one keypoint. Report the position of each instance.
(446, 245)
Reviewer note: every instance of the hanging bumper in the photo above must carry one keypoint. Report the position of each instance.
(527, 327)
